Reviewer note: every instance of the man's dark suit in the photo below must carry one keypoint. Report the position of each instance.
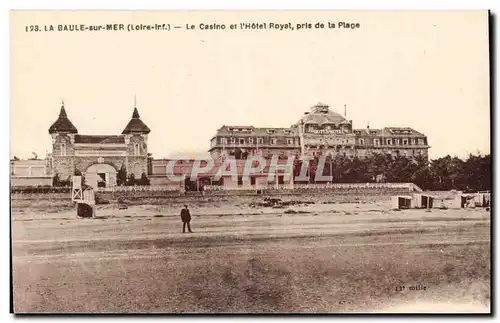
(186, 219)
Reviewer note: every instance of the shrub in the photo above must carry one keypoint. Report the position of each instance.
(39, 189)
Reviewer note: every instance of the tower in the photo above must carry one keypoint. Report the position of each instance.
(136, 137)
(63, 137)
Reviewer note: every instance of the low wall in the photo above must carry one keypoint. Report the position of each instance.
(314, 192)
(30, 181)
(40, 196)
(162, 193)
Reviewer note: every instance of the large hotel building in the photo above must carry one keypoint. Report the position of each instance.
(320, 132)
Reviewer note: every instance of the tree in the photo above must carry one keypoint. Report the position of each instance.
(121, 176)
(237, 153)
(423, 178)
(131, 181)
(150, 163)
(56, 181)
(313, 165)
(84, 182)
(144, 181)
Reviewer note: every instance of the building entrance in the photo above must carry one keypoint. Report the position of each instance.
(100, 175)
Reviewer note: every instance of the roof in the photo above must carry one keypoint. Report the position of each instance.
(401, 131)
(253, 131)
(136, 125)
(62, 124)
(391, 132)
(87, 139)
(321, 114)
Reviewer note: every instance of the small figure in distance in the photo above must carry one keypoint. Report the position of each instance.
(186, 219)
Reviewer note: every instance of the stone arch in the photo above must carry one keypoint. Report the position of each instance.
(103, 163)
(101, 175)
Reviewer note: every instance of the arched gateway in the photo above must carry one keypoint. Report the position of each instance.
(100, 175)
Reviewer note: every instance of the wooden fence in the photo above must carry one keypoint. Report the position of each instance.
(338, 186)
(271, 187)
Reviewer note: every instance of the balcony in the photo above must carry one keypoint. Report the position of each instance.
(255, 145)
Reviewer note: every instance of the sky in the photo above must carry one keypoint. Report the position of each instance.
(425, 70)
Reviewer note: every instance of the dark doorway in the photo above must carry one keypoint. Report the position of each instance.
(281, 180)
(240, 180)
(252, 180)
(101, 181)
(190, 185)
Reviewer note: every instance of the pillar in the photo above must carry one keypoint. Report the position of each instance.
(111, 180)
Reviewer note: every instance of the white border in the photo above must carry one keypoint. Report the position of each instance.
(189, 5)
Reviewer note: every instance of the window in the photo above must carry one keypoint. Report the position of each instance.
(260, 141)
(405, 141)
(289, 141)
(250, 140)
(273, 141)
(233, 140)
(287, 131)
(389, 141)
(397, 141)
(242, 141)
(421, 142)
(361, 141)
(136, 150)
(223, 141)
(63, 149)
(376, 142)
(271, 130)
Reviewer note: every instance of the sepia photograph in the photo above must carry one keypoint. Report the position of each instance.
(250, 162)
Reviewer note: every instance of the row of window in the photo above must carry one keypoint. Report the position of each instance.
(291, 141)
(137, 149)
(271, 131)
(396, 141)
(251, 141)
(409, 153)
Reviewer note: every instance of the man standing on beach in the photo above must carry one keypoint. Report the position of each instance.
(186, 219)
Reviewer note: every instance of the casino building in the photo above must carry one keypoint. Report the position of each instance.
(319, 132)
(98, 157)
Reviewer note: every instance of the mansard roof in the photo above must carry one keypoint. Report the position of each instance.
(91, 139)
(254, 131)
(390, 132)
(136, 125)
(62, 124)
